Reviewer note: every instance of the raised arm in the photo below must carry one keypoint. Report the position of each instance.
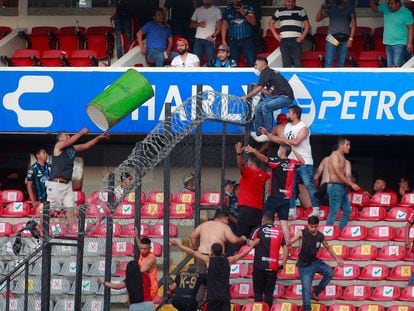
(119, 285)
(224, 28)
(69, 142)
(330, 250)
(297, 237)
(91, 143)
(260, 156)
(232, 238)
(374, 5)
(321, 14)
(239, 156)
(237, 257)
(190, 251)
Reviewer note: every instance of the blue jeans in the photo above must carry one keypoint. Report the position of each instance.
(122, 24)
(396, 55)
(331, 50)
(263, 112)
(306, 174)
(338, 199)
(142, 306)
(156, 56)
(306, 277)
(201, 46)
(243, 46)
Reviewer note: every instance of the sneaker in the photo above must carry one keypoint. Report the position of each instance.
(259, 138)
(315, 211)
(292, 213)
(314, 296)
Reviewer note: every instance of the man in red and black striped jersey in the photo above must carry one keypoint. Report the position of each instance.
(282, 182)
(266, 258)
(408, 245)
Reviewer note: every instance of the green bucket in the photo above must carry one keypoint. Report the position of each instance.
(126, 94)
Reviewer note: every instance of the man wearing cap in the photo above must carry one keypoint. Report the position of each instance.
(281, 121)
(276, 93)
(126, 181)
(207, 22)
(237, 31)
(158, 39)
(223, 58)
(188, 183)
(184, 59)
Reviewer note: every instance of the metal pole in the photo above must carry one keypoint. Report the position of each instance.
(138, 203)
(248, 128)
(79, 259)
(167, 184)
(46, 260)
(8, 293)
(197, 159)
(223, 162)
(26, 285)
(108, 246)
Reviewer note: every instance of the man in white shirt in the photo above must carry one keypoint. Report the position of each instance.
(184, 59)
(207, 21)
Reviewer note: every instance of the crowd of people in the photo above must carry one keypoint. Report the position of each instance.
(238, 28)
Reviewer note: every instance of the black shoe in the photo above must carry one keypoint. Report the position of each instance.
(314, 296)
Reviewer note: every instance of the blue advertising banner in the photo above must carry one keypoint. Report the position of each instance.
(376, 102)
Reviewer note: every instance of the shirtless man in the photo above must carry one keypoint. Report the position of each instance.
(338, 183)
(214, 231)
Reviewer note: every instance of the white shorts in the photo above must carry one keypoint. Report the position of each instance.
(60, 195)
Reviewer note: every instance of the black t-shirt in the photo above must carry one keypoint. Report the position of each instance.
(282, 180)
(275, 83)
(309, 249)
(62, 165)
(266, 254)
(218, 287)
(188, 283)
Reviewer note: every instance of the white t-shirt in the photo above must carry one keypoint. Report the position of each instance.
(304, 148)
(210, 16)
(189, 61)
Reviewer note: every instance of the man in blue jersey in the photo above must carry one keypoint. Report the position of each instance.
(37, 175)
(223, 58)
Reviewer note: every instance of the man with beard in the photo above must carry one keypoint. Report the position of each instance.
(223, 58)
(184, 59)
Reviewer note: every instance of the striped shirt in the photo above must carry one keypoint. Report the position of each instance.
(291, 21)
(239, 27)
(38, 174)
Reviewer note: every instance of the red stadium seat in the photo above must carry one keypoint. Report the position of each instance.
(130, 198)
(293, 229)
(363, 252)
(157, 197)
(26, 233)
(400, 273)
(98, 196)
(4, 31)
(385, 199)
(342, 251)
(99, 29)
(371, 307)
(279, 291)
(362, 39)
(359, 199)
(400, 307)
(241, 291)
(386, 293)
(122, 249)
(284, 306)
(372, 59)
(185, 197)
(72, 29)
(12, 196)
(313, 59)
(97, 210)
(83, 58)
(99, 231)
(381, 233)
(357, 292)
(372, 213)
(374, 272)
(320, 38)
(294, 253)
(331, 292)
(290, 271)
(354, 233)
(346, 272)
(407, 200)
(271, 43)
(293, 291)
(392, 253)
(157, 231)
(255, 306)
(121, 269)
(377, 39)
(234, 306)
(79, 197)
(41, 38)
(249, 272)
(156, 249)
(128, 231)
(44, 29)
(354, 214)
(152, 210)
(250, 255)
(16, 210)
(210, 199)
(316, 307)
(181, 210)
(409, 257)
(342, 307)
(407, 294)
(400, 236)
(323, 212)
(238, 270)
(57, 229)
(69, 41)
(125, 211)
(398, 213)
(6, 229)
(102, 43)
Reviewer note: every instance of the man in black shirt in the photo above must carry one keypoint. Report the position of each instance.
(309, 264)
(266, 258)
(276, 93)
(186, 286)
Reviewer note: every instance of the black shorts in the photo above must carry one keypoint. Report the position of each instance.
(277, 205)
(184, 304)
(249, 218)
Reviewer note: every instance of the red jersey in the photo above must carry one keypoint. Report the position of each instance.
(146, 286)
(282, 181)
(252, 185)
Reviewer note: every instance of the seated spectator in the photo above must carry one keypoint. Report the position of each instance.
(404, 186)
(188, 181)
(381, 185)
(223, 58)
(125, 185)
(185, 58)
(159, 39)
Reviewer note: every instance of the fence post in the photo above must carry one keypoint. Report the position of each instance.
(138, 203)
(197, 158)
(108, 246)
(46, 259)
(79, 259)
